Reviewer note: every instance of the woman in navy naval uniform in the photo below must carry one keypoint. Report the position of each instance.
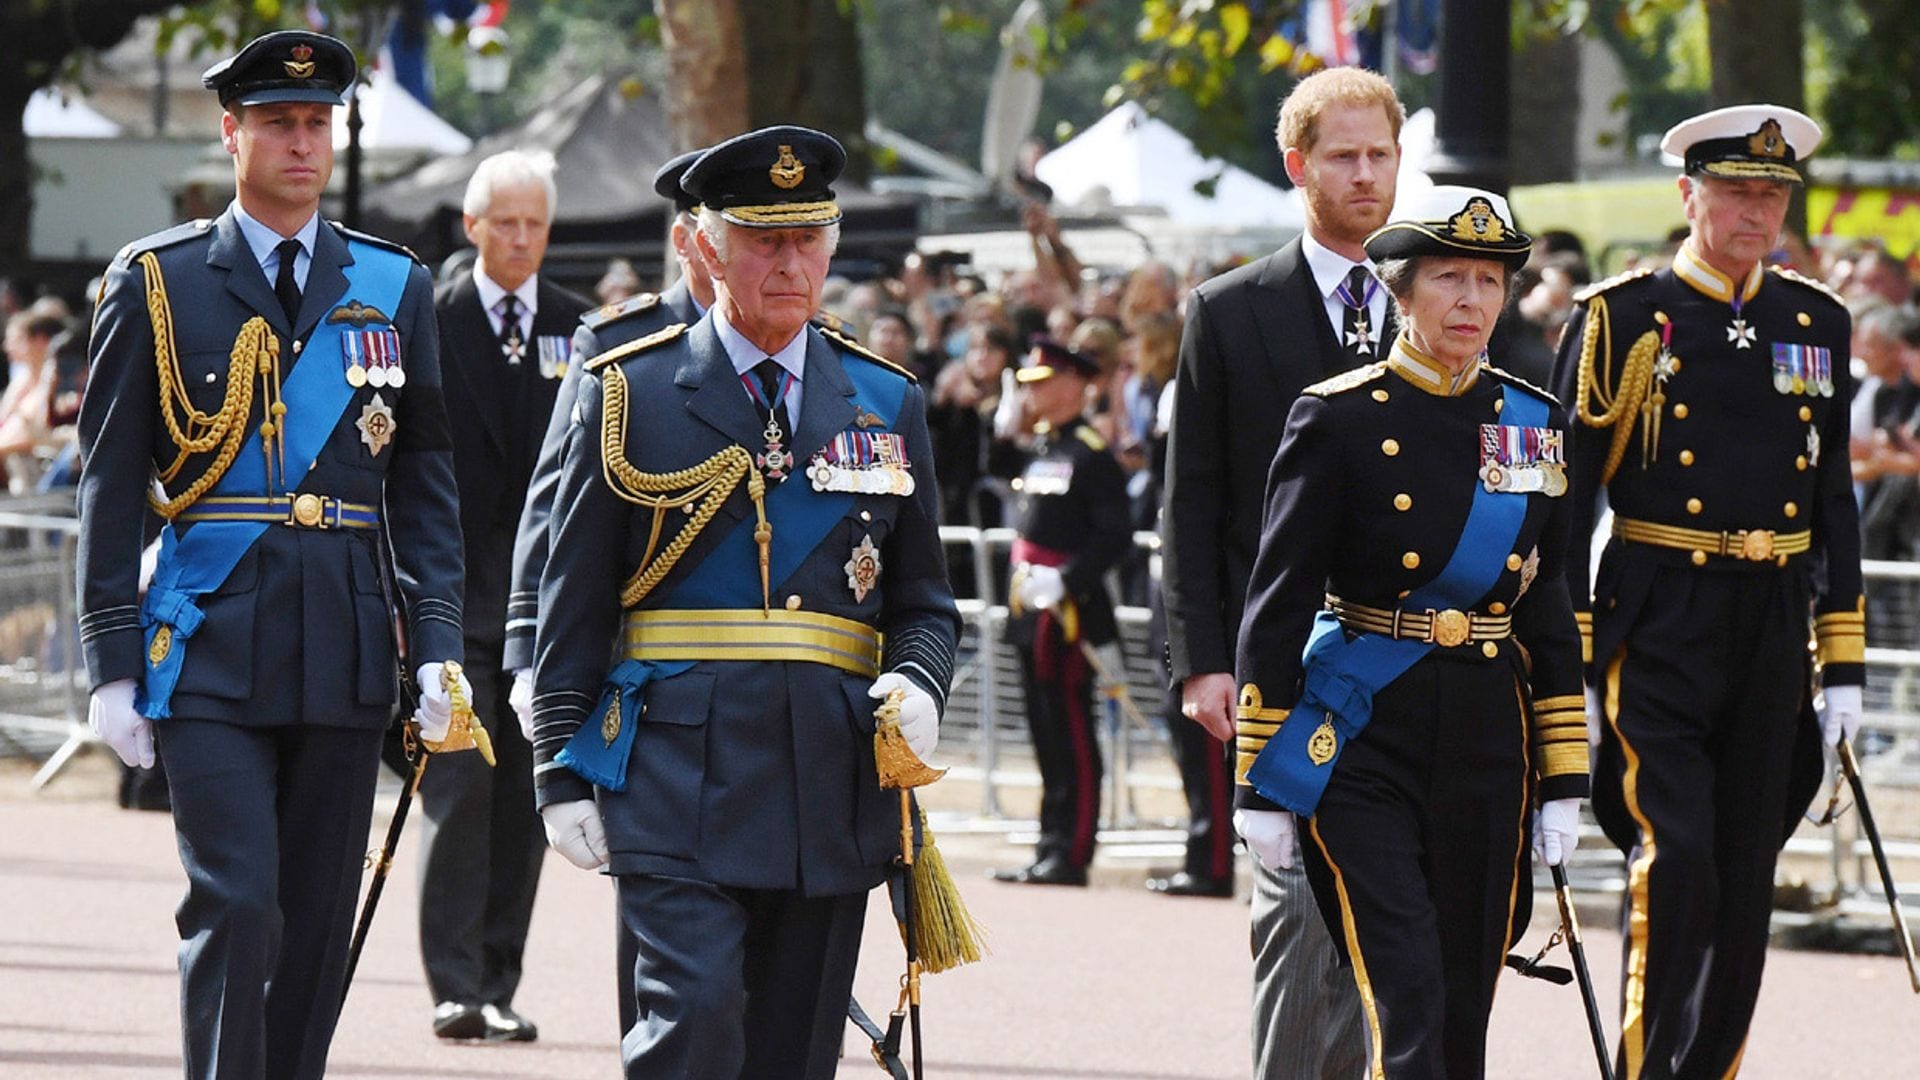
(1409, 662)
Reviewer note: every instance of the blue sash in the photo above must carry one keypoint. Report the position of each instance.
(1343, 675)
(316, 395)
(728, 578)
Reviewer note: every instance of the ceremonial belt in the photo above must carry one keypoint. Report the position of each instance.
(665, 634)
(306, 510)
(1751, 545)
(1444, 628)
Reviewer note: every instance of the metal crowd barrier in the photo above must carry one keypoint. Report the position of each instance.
(43, 683)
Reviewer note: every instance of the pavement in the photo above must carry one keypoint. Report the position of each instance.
(1105, 983)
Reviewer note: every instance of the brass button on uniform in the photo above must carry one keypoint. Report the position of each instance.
(866, 515)
(1404, 593)
(1680, 412)
(1806, 412)
(1699, 558)
(1792, 510)
(1803, 319)
(1674, 362)
(212, 378)
(1497, 608)
(1693, 506)
(1800, 463)
(1514, 561)
(1498, 404)
(1390, 447)
(793, 602)
(1489, 650)
(1411, 560)
(1403, 501)
(1379, 395)
(1686, 457)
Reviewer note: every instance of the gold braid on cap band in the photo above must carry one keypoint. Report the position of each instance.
(1636, 376)
(256, 350)
(708, 483)
(807, 213)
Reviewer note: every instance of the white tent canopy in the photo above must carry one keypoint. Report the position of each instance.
(393, 119)
(53, 115)
(1130, 159)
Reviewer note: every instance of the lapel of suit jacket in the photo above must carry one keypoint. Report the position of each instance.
(827, 406)
(326, 279)
(482, 373)
(230, 254)
(1293, 303)
(718, 398)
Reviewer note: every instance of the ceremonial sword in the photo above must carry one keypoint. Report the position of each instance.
(1851, 767)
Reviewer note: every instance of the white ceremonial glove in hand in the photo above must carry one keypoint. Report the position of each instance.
(1839, 714)
(521, 699)
(1556, 831)
(110, 714)
(1596, 720)
(919, 714)
(574, 830)
(1042, 587)
(1007, 415)
(434, 714)
(1271, 835)
(1113, 666)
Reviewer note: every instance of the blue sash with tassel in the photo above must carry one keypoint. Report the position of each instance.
(1343, 675)
(316, 394)
(728, 578)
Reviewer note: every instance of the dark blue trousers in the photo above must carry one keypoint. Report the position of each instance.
(272, 827)
(733, 983)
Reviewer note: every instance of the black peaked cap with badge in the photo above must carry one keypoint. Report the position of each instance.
(286, 65)
(1449, 220)
(1046, 358)
(775, 178)
(666, 181)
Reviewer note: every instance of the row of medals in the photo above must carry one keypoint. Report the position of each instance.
(379, 376)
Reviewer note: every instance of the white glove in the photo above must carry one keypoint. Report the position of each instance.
(1596, 719)
(1556, 831)
(110, 714)
(521, 699)
(1007, 414)
(1042, 587)
(574, 830)
(1271, 835)
(919, 715)
(1839, 714)
(1112, 663)
(434, 714)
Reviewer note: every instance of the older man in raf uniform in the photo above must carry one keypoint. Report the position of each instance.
(746, 507)
(269, 384)
(1711, 407)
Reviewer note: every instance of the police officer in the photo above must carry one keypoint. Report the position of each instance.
(1711, 402)
(276, 376)
(745, 507)
(1073, 522)
(1409, 664)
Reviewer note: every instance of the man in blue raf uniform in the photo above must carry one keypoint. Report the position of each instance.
(745, 509)
(505, 332)
(1710, 401)
(276, 377)
(599, 330)
(1073, 528)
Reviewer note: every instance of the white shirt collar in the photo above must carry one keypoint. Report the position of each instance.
(491, 293)
(1330, 268)
(262, 240)
(744, 354)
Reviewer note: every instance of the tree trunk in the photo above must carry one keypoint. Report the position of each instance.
(804, 56)
(1546, 110)
(16, 181)
(707, 72)
(1755, 49)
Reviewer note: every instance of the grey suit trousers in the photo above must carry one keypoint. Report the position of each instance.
(1307, 1023)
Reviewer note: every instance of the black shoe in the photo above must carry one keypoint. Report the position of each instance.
(1047, 871)
(455, 1020)
(1181, 883)
(505, 1025)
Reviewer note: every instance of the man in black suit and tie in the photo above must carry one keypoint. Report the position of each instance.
(1254, 338)
(506, 342)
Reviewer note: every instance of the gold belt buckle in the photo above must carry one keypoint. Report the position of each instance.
(1450, 628)
(308, 510)
(1756, 545)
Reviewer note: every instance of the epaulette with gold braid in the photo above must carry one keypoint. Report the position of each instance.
(637, 345)
(632, 305)
(1816, 285)
(1510, 378)
(862, 351)
(1094, 440)
(1347, 380)
(165, 238)
(1615, 281)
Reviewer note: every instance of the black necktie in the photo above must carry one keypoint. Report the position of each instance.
(513, 345)
(1357, 331)
(778, 434)
(284, 285)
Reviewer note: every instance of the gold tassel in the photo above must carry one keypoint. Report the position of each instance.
(946, 935)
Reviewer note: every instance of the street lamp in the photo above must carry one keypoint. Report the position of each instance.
(488, 65)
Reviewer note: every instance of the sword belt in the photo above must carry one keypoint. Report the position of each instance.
(306, 510)
(1748, 545)
(748, 634)
(1444, 628)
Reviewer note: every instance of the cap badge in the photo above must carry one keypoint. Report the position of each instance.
(787, 172)
(1767, 142)
(1477, 222)
(302, 65)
